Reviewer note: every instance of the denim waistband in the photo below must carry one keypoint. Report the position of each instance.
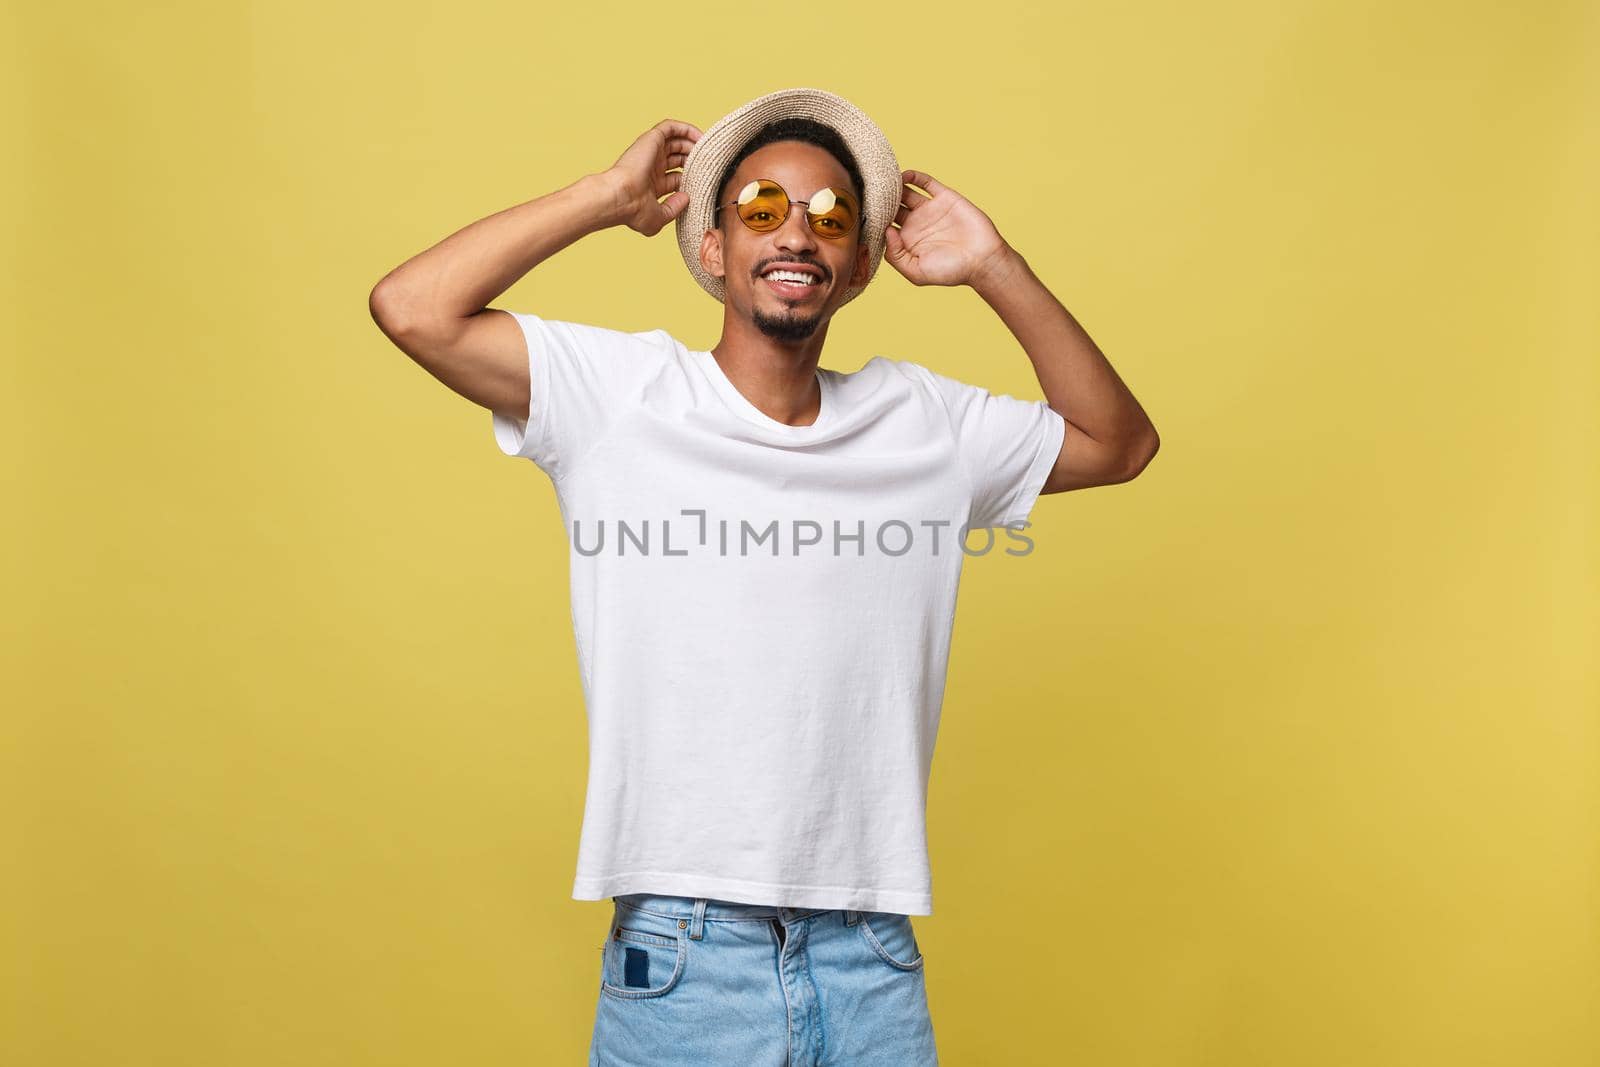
(678, 907)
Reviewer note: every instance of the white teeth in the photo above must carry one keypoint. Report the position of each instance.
(790, 276)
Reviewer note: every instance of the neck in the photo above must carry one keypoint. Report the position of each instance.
(778, 377)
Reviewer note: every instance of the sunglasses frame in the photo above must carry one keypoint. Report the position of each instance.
(811, 220)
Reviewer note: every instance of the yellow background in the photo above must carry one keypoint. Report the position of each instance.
(1284, 753)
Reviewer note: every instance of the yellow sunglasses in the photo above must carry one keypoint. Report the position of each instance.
(763, 206)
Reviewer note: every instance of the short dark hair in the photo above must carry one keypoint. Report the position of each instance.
(809, 131)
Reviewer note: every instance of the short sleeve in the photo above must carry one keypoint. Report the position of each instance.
(581, 379)
(1008, 447)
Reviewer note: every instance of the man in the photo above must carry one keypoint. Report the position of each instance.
(764, 561)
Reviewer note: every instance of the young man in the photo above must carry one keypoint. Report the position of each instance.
(764, 561)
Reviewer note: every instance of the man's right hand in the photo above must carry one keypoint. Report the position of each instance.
(434, 305)
(640, 175)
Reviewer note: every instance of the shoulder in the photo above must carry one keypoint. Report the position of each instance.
(884, 372)
(920, 383)
(583, 356)
(587, 336)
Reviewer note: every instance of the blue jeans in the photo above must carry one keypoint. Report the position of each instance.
(714, 983)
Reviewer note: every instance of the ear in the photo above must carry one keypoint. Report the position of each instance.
(711, 253)
(863, 261)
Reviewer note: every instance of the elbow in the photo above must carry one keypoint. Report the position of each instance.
(381, 301)
(1139, 457)
(388, 308)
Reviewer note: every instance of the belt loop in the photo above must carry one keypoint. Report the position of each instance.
(850, 917)
(697, 925)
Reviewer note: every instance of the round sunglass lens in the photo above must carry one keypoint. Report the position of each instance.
(832, 212)
(762, 205)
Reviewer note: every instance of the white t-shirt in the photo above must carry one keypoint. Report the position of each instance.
(763, 612)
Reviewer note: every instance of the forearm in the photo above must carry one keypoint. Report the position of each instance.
(1077, 379)
(460, 275)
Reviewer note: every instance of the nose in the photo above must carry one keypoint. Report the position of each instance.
(796, 235)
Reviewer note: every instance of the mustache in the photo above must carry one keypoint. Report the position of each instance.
(759, 271)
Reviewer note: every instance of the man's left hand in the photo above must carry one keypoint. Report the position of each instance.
(943, 238)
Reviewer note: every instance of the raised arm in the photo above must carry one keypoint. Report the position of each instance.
(944, 239)
(434, 305)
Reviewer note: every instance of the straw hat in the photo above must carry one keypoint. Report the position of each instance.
(880, 173)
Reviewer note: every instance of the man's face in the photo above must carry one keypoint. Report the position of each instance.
(739, 255)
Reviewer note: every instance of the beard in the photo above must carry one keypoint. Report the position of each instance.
(791, 325)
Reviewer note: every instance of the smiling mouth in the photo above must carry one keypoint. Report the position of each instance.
(794, 290)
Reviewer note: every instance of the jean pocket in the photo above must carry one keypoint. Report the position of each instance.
(644, 955)
(891, 938)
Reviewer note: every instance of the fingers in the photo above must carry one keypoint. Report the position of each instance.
(894, 246)
(667, 182)
(924, 180)
(679, 128)
(673, 206)
(911, 199)
(677, 152)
